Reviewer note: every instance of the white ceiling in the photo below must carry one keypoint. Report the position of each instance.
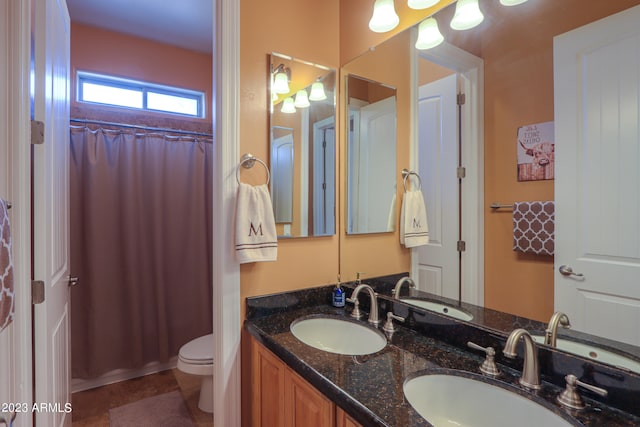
(183, 23)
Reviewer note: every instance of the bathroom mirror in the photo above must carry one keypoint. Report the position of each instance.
(510, 37)
(371, 149)
(302, 146)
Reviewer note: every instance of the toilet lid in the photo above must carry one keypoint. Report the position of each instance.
(199, 349)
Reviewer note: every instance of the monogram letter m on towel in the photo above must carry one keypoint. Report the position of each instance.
(256, 237)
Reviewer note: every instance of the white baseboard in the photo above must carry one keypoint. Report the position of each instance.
(81, 384)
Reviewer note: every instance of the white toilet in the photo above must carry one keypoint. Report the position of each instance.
(196, 358)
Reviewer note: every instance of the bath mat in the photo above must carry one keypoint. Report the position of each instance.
(165, 410)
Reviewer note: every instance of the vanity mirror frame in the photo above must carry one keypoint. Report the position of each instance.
(305, 206)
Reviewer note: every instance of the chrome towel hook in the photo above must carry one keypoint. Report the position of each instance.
(406, 174)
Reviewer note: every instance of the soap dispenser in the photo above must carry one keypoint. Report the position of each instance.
(338, 297)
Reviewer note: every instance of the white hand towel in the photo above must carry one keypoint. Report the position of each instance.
(256, 238)
(414, 230)
(7, 305)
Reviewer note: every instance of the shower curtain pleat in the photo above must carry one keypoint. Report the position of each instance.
(141, 245)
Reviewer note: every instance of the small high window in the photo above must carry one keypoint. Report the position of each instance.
(118, 92)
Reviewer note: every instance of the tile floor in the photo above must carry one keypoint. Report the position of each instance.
(91, 407)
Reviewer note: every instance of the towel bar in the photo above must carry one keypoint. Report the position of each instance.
(406, 174)
(247, 161)
(496, 205)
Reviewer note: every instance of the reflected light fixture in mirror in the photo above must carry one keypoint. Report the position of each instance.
(288, 106)
(317, 92)
(467, 15)
(302, 99)
(422, 4)
(281, 80)
(384, 17)
(429, 35)
(511, 2)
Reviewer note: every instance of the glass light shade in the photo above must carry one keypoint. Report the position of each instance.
(317, 92)
(422, 4)
(384, 17)
(288, 106)
(511, 2)
(429, 35)
(302, 99)
(281, 83)
(467, 15)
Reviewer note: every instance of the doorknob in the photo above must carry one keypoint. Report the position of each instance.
(73, 281)
(565, 270)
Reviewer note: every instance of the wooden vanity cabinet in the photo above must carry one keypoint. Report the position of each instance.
(281, 397)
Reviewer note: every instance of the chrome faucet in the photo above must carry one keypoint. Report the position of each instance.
(396, 290)
(551, 333)
(373, 313)
(530, 371)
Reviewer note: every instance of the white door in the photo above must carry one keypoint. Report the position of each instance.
(282, 180)
(50, 213)
(324, 177)
(597, 191)
(372, 155)
(438, 268)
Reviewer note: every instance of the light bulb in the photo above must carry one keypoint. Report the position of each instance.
(511, 2)
(281, 83)
(288, 106)
(317, 92)
(302, 100)
(467, 15)
(429, 35)
(384, 17)
(422, 4)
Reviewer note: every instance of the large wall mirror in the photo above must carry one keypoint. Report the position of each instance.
(371, 149)
(509, 40)
(302, 147)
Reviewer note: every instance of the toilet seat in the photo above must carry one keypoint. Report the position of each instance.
(198, 351)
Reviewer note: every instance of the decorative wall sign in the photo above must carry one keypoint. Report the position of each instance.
(536, 148)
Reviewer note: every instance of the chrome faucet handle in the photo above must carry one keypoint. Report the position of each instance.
(489, 366)
(356, 307)
(570, 396)
(388, 325)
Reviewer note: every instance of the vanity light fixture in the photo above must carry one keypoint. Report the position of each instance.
(302, 99)
(429, 35)
(423, 4)
(467, 15)
(281, 79)
(511, 2)
(288, 106)
(384, 17)
(317, 92)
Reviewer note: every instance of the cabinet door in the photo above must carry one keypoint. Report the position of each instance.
(305, 406)
(268, 388)
(344, 420)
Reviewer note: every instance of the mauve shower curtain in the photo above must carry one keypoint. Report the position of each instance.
(140, 245)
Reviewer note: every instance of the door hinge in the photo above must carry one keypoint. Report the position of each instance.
(462, 246)
(461, 172)
(37, 132)
(37, 292)
(461, 99)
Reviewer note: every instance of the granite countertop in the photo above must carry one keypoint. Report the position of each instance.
(370, 388)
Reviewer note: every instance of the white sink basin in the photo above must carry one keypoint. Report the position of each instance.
(449, 400)
(338, 336)
(439, 308)
(593, 352)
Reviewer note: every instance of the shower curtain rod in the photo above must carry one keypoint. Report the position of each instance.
(125, 125)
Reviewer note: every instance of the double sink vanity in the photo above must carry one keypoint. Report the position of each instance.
(421, 364)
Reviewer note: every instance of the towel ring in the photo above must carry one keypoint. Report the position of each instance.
(247, 161)
(406, 174)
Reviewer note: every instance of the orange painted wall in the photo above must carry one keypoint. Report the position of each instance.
(101, 51)
(301, 29)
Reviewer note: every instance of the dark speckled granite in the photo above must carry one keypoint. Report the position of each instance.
(369, 388)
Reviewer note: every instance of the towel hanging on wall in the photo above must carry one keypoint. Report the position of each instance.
(256, 238)
(7, 304)
(534, 227)
(414, 229)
